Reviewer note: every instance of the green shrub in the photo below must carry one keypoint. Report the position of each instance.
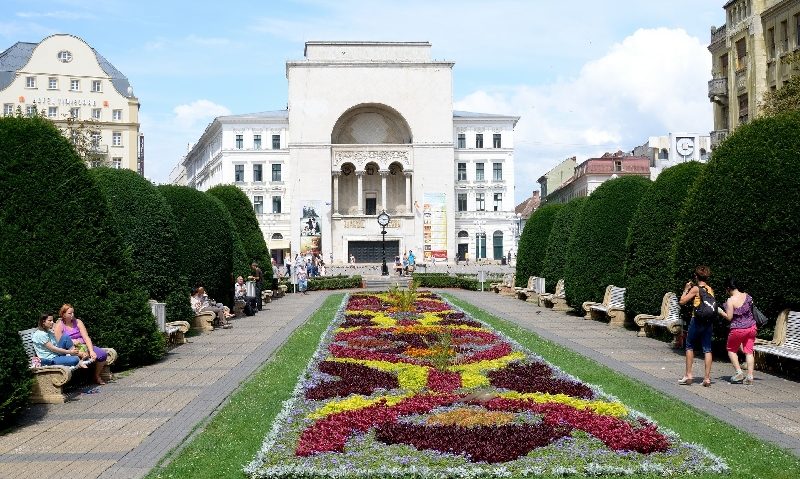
(147, 226)
(648, 262)
(741, 216)
(442, 280)
(556, 253)
(60, 244)
(596, 249)
(246, 224)
(205, 240)
(15, 376)
(338, 282)
(533, 243)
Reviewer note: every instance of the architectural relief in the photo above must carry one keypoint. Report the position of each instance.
(360, 158)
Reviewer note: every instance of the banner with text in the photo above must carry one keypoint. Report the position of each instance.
(434, 226)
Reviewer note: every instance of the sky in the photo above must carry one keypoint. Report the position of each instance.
(585, 76)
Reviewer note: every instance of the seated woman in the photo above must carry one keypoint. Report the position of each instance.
(50, 351)
(398, 265)
(240, 294)
(200, 303)
(69, 325)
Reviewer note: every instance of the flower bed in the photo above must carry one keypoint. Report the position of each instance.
(432, 392)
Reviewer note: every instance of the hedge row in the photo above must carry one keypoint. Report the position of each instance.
(556, 254)
(442, 280)
(337, 282)
(533, 243)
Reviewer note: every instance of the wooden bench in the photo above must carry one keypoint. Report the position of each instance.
(175, 330)
(669, 318)
(556, 300)
(49, 380)
(531, 292)
(786, 339)
(612, 307)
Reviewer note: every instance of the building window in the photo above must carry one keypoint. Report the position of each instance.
(97, 86)
(479, 140)
(116, 163)
(52, 83)
(258, 205)
(276, 142)
(797, 30)
(276, 204)
(30, 110)
(256, 142)
(784, 36)
(74, 85)
(30, 82)
(617, 165)
(276, 172)
(480, 246)
(116, 138)
(479, 172)
(258, 174)
(462, 172)
(462, 140)
(239, 142)
(74, 112)
(462, 202)
(371, 204)
(741, 54)
(663, 154)
(96, 138)
(96, 113)
(64, 56)
(497, 171)
(496, 141)
(238, 173)
(497, 245)
(52, 111)
(743, 109)
(8, 109)
(498, 201)
(116, 114)
(480, 202)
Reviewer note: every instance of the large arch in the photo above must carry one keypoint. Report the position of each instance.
(371, 123)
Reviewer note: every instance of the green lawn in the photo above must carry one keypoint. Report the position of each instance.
(230, 440)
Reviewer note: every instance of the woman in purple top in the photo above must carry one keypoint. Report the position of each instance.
(73, 327)
(739, 311)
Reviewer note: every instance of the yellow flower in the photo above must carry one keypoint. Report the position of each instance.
(473, 375)
(600, 407)
(410, 376)
(353, 403)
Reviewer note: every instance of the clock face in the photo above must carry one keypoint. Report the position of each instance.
(383, 219)
(685, 146)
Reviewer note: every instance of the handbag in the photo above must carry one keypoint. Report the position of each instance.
(761, 319)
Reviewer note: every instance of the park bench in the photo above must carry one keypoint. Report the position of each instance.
(669, 318)
(175, 330)
(612, 307)
(531, 292)
(204, 321)
(506, 287)
(49, 380)
(556, 300)
(786, 339)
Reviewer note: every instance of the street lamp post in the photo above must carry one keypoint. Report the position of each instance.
(383, 221)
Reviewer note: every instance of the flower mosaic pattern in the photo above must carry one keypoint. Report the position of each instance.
(433, 392)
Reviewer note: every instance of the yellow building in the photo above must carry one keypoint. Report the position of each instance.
(750, 54)
(63, 77)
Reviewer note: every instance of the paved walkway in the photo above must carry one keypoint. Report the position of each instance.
(770, 409)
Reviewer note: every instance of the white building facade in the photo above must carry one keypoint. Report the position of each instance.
(370, 127)
(673, 149)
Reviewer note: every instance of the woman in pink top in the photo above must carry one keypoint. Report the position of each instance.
(73, 327)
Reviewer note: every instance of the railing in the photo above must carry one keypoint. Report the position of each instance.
(718, 87)
(717, 137)
(718, 34)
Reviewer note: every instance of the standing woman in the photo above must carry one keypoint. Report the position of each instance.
(699, 330)
(739, 311)
(74, 328)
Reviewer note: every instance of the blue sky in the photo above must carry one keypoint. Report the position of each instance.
(585, 76)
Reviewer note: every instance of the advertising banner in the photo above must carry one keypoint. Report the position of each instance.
(311, 226)
(434, 226)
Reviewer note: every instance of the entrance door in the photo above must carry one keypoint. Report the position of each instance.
(462, 251)
(370, 251)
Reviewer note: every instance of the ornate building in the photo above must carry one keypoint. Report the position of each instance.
(369, 127)
(63, 77)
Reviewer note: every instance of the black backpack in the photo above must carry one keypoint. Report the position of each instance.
(707, 310)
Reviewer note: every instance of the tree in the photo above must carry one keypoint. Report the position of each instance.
(556, 253)
(785, 98)
(15, 376)
(533, 243)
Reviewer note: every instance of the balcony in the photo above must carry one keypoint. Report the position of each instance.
(717, 137)
(718, 34)
(741, 79)
(718, 90)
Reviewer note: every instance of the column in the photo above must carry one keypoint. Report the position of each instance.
(360, 177)
(408, 191)
(384, 202)
(336, 175)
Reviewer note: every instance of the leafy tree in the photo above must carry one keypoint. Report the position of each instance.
(556, 253)
(533, 243)
(785, 98)
(648, 264)
(596, 250)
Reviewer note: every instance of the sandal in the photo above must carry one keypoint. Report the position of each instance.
(706, 383)
(684, 381)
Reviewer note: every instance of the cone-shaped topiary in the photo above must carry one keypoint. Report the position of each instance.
(596, 250)
(556, 252)
(741, 218)
(60, 245)
(205, 240)
(147, 226)
(15, 376)
(533, 242)
(246, 223)
(648, 264)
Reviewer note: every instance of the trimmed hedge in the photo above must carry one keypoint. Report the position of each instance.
(147, 226)
(556, 253)
(15, 376)
(741, 218)
(244, 218)
(648, 262)
(60, 244)
(596, 250)
(442, 280)
(533, 243)
(339, 282)
(205, 240)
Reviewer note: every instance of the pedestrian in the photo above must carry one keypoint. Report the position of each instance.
(352, 259)
(701, 326)
(257, 277)
(738, 309)
(302, 276)
(412, 262)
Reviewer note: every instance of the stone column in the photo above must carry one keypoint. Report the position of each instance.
(407, 174)
(335, 208)
(384, 203)
(360, 177)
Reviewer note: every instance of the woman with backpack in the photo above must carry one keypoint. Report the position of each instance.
(739, 311)
(701, 325)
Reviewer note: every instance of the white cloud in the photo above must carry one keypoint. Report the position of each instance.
(199, 112)
(651, 83)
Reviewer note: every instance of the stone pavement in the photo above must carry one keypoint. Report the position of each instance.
(769, 409)
(123, 429)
